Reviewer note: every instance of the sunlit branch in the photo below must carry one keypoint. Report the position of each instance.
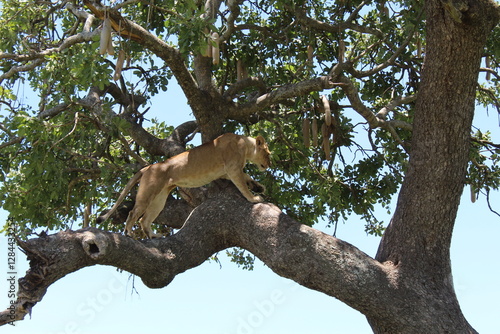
(490, 71)
(382, 114)
(38, 57)
(352, 94)
(234, 7)
(241, 85)
(280, 94)
(398, 124)
(485, 143)
(54, 111)
(22, 68)
(82, 15)
(379, 119)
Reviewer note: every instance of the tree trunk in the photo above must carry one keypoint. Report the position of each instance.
(418, 239)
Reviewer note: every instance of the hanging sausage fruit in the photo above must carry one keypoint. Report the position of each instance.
(106, 43)
(326, 109)
(119, 65)
(306, 124)
(215, 48)
(325, 132)
(314, 130)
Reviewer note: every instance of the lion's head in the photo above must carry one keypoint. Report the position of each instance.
(262, 156)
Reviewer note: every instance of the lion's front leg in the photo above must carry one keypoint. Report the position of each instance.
(254, 186)
(243, 182)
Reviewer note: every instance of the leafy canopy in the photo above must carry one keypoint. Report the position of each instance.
(62, 156)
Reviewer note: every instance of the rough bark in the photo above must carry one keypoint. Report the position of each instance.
(431, 192)
(419, 236)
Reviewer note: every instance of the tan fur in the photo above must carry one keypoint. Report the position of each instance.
(224, 157)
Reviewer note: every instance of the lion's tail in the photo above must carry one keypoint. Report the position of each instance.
(124, 193)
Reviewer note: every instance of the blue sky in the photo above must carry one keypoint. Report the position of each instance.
(223, 299)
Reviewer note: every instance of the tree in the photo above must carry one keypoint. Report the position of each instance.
(409, 69)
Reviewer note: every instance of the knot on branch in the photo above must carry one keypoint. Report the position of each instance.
(94, 245)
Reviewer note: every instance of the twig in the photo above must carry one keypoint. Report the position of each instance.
(69, 133)
(132, 153)
(13, 141)
(489, 204)
(395, 135)
(291, 146)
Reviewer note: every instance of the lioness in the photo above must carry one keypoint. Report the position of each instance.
(223, 157)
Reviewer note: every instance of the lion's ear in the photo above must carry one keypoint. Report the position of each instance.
(260, 141)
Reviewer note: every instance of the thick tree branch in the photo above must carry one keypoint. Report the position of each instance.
(199, 90)
(84, 36)
(348, 24)
(54, 111)
(382, 114)
(281, 94)
(374, 120)
(336, 28)
(352, 94)
(21, 68)
(310, 257)
(172, 145)
(243, 84)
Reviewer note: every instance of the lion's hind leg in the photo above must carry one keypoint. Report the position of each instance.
(132, 217)
(153, 210)
(142, 203)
